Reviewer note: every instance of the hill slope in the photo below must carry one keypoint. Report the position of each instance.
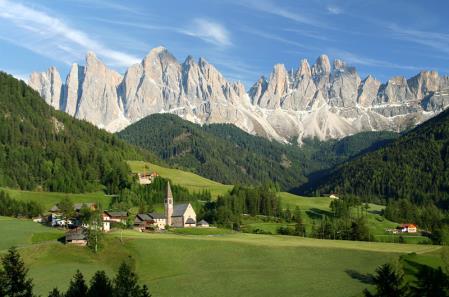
(229, 155)
(415, 166)
(47, 149)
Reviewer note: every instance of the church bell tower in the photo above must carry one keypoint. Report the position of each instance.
(168, 205)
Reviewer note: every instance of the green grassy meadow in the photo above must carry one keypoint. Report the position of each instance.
(191, 181)
(48, 199)
(225, 264)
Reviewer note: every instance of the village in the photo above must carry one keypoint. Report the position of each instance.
(180, 215)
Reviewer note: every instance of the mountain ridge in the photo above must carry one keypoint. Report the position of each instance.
(321, 101)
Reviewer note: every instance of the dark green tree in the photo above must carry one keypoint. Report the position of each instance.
(388, 282)
(145, 291)
(13, 276)
(55, 293)
(77, 287)
(100, 285)
(126, 282)
(430, 282)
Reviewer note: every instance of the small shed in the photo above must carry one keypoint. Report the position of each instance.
(76, 237)
(203, 224)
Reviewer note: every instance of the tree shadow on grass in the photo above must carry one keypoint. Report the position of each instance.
(364, 278)
(316, 213)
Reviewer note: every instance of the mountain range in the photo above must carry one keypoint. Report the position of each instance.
(321, 101)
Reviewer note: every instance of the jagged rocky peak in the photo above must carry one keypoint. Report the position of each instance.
(322, 66)
(304, 69)
(368, 91)
(49, 85)
(323, 100)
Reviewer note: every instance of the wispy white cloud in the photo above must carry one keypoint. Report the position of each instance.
(356, 59)
(272, 7)
(209, 31)
(436, 40)
(204, 29)
(332, 9)
(52, 37)
(309, 34)
(277, 38)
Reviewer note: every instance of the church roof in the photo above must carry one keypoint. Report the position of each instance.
(169, 193)
(180, 209)
(190, 221)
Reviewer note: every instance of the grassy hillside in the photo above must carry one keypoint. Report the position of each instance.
(415, 167)
(191, 181)
(48, 199)
(41, 148)
(227, 154)
(225, 265)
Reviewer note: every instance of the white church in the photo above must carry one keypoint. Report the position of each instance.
(177, 216)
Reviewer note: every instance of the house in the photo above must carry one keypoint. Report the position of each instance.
(407, 228)
(76, 237)
(76, 207)
(175, 215)
(146, 179)
(203, 224)
(115, 216)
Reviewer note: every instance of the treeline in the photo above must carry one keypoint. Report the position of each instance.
(227, 154)
(41, 148)
(14, 208)
(227, 211)
(14, 282)
(414, 167)
(145, 196)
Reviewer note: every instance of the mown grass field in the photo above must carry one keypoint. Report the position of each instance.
(48, 199)
(232, 264)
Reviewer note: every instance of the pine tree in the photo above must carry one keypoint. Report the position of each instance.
(77, 287)
(389, 283)
(13, 277)
(125, 283)
(100, 285)
(145, 292)
(55, 293)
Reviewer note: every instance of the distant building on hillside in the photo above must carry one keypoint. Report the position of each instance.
(175, 215)
(146, 179)
(407, 228)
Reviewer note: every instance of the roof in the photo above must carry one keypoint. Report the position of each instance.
(156, 216)
(203, 222)
(75, 235)
(78, 206)
(116, 213)
(179, 209)
(144, 217)
(408, 226)
(190, 221)
(55, 208)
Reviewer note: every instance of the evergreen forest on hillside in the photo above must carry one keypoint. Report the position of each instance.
(227, 154)
(414, 167)
(41, 148)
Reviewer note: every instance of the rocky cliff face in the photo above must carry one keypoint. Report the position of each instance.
(323, 100)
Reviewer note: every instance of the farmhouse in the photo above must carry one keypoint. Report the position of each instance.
(178, 216)
(146, 179)
(407, 228)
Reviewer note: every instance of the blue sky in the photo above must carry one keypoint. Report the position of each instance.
(242, 38)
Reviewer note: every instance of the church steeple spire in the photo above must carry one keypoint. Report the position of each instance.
(168, 205)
